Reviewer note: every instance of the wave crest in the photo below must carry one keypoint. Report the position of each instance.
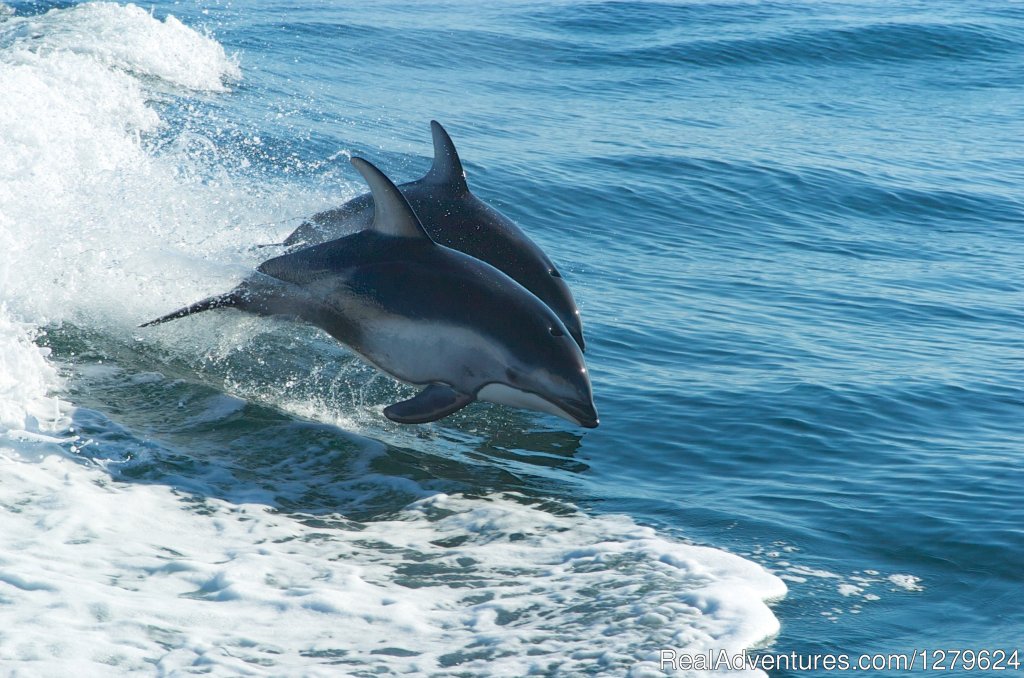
(128, 38)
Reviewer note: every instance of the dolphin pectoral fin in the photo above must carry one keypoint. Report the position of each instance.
(432, 403)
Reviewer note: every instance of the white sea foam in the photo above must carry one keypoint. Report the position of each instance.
(907, 582)
(127, 37)
(859, 587)
(124, 576)
(99, 230)
(100, 574)
(28, 409)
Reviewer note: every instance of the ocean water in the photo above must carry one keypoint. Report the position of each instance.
(796, 234)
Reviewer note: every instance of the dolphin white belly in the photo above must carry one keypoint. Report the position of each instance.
(435, 352)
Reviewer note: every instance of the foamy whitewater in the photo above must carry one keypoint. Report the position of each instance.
(111, 214)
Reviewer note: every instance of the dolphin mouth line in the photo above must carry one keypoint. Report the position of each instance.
(587, 422)
(578, 412)
(585, 417)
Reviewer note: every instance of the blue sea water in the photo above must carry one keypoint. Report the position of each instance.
(795, 231)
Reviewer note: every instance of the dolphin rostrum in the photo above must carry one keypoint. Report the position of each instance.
(424, 313)
(454, 217)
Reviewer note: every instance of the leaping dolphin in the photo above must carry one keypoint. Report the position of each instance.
(424, 313)
(454, 217)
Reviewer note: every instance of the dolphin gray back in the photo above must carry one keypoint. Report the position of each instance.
(456, 218)
(354, 216)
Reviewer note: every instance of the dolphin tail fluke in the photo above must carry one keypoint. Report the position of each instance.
(447, 168)
(220, 301)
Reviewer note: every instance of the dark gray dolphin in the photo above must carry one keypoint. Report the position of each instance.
(426, 314)
(454, 217)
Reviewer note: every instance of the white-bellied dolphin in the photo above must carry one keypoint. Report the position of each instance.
(454, 217)
(424, 313)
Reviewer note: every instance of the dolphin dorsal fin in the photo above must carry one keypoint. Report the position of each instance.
(447, 168)
(392, 214)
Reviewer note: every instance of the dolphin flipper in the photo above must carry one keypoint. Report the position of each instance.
(432, 403)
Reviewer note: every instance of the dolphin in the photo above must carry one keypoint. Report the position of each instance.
(454, 217)
(426, 314)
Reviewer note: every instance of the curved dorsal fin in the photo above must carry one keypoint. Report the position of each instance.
(391, 212)
(447, 168)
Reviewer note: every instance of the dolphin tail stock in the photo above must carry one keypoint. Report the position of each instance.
(301, 235)
(228, 300)
(447, 168)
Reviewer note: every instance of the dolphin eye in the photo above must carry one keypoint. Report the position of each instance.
(555, 332)
(554, 273)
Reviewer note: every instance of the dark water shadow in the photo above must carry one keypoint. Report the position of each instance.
(149, 418)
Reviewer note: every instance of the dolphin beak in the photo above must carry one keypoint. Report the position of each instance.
(564, 306)
(574, 324)
(577, 334)
(584, 414)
